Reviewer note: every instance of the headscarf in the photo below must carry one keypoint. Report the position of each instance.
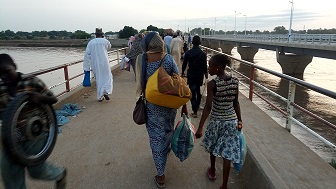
(152, 43)
(136, 47)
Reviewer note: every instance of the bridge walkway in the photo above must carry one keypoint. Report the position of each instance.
(103, 148)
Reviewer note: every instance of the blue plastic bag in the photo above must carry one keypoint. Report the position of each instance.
(183, 139)
(242, 152)
(86, 80)
(125, 65)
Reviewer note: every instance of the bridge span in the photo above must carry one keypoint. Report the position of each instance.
(293, 55)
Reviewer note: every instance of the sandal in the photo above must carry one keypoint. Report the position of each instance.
(193, 115)
(159, 185)
(211, 177)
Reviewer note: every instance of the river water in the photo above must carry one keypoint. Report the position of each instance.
(320, 72)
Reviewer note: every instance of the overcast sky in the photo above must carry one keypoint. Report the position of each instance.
(113, 15)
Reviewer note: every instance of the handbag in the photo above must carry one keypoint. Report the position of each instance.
(139, 112)
(86, 80)
(125, 64)
(166, 90)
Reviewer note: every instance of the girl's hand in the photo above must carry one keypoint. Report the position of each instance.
(199, 133)
(184, 110)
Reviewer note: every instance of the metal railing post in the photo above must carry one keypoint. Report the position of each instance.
(66, 77)
(251, 82)
(290, 99)
(118, 58)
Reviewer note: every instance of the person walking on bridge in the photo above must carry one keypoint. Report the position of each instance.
(11, 83)
(176, 50)
(135, 50)
(96, 57)
(196, 60)
(160, 120)
(221, 136)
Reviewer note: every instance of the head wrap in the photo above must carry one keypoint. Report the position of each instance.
(152, 43)
(136, 48)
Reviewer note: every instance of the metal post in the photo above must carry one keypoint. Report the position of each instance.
(235, 25)
(251, 82)
(245, 23)
(234, 33)
(118, 58)
(290, 99)
(66, 77)
(290, 23)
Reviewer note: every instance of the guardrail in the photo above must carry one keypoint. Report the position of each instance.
(329, 39)
(67, 78)
(293, 82)
(116, 55)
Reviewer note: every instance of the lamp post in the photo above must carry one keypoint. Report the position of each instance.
(235, 23)
(225, 27)
(245, 23)
(290, 22)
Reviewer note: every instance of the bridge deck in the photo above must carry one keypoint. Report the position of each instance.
(103, 148)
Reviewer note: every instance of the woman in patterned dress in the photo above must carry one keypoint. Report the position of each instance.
(221, 136)
(160, 120)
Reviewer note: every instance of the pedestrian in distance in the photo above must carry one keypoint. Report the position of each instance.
(196, 61)
(11, 83)
(160, 120)
(189, 40)
(96, 58)
(135, 50)
(176, 50)
(221, 136)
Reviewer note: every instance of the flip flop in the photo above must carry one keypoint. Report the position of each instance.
(212, 178)
(193, 115)
(159, 185)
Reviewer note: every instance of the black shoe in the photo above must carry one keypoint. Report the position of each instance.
(106, 97)
(61, 184)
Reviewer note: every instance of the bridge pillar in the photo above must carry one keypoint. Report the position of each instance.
(292, 64)
(214, 44)
(205, 43)
(226, 48)
(247, 53)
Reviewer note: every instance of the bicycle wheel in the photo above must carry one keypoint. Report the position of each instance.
(29, 131)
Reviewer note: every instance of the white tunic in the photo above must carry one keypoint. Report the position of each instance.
(96, 57)
(176, 49)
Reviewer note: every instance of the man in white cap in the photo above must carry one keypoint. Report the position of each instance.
(96, 58)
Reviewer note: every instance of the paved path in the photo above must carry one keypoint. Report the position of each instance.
(103, 148)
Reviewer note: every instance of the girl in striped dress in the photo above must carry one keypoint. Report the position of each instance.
(221, 136)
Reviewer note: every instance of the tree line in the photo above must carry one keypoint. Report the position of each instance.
(125, 33)
(128, 31)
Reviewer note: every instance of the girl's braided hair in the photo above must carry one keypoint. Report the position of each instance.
(221, 60)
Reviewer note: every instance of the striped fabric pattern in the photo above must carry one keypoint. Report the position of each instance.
(222, 104)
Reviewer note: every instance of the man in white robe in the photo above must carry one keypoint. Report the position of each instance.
(96, 57)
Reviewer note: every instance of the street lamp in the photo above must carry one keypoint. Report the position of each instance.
(235, 23)
(290, 23)
(225, 27)
(245, 23)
